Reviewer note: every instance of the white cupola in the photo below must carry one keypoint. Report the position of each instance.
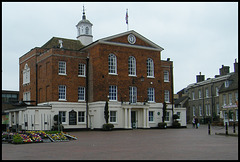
(84, 30)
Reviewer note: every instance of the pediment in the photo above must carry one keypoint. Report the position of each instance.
(131, 39)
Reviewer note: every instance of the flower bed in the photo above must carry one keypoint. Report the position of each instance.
(57, 137)
(36, 136)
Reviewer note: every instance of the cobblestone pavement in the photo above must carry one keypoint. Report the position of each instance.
(139, 144)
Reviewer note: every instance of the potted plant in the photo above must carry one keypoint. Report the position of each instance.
(107, 126)
(175, 123)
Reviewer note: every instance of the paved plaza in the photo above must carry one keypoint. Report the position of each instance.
(139, 144)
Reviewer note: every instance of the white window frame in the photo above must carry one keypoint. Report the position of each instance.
(26, 74)
(166, 75)
(131, 66)
(62, 68)
(224, 99)
(217, 91)
(150, 68)
(81, 116)
(113, 116)
(199, 94)
(167, 117)
(226, 83)
(132, 94)
(63, 116)
(112, 64)
(167, 96)
(193, 95)
(207, 94)
(112, 93)
(206, 107)
(194, 111)
(151, 116)
(230, 98)
(81, 70)
(200, 110)
(218, 109)
(151, 94)
(81, 93)
(27, 97)
(62, 93)
(209, 110)
(236, 96)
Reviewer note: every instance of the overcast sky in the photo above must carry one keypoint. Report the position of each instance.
(196, 36)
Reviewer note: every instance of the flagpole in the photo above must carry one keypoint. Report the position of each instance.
(127, 19)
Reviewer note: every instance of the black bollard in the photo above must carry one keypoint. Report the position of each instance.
(234, 131)
(226, 128)
(209, 130)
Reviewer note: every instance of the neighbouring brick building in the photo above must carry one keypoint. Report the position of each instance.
(75, 78)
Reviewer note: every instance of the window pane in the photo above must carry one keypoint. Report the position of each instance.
(112, 64)
(113, 93)
(81, 116)
(151, 95)
(81, 69)
(166, 76)
(150, 115)
(150, 68)
(131, 66)
(62, 67)
(62, 92)
(113, 116)
(81, 93)
(133, 94)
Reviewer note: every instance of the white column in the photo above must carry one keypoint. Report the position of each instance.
(15, 118)
(147, 115)
(20, 118)
(10, 119)
(129, 118)
(144, 118)
(125, 118)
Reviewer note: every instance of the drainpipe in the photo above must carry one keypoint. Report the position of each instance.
(212, 101)
(87, 79)
(171, 69)
(36, 81)
(204, 114)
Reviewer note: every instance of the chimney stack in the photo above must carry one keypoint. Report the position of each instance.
(200, 77)
(224, 70)
(236, 66)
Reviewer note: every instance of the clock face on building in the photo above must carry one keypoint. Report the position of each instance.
(131, 39)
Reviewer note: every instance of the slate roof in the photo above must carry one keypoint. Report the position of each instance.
(233, 83)
(69, 44)
(178, 101)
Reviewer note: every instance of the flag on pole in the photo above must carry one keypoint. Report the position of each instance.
(126, 17)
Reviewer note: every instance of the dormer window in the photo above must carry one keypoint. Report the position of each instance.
(226, 83)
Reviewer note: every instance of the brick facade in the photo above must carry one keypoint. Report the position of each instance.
(45, 80)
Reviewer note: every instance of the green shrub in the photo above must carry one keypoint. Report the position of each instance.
(17, 138)
(162, 125)
(175, 116)
(176, 124)
(108, 127)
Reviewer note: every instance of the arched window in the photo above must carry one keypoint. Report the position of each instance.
(150, 68)
(112, 64)
(132, 66)
(26, 74)
(87, 30)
